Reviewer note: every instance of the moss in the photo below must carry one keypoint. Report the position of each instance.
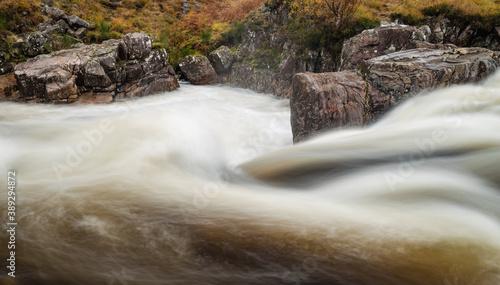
(158, 46)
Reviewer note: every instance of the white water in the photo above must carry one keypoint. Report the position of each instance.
(202, 186)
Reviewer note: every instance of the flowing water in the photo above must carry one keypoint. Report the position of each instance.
(203, 186)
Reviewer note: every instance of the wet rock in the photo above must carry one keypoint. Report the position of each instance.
(326, 100)
(221, 59)
(405, 74)
(94, 74)
(198, 70)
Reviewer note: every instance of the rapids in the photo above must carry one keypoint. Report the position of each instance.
(203, 186)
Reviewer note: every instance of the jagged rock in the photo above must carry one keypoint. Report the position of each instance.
(198, 70)
(93, 73)
(376, 42)
(185, 7)
(34, 44)
(221, 59)
(326, 100)
(404, 74)
(137, 45)
(76, 22)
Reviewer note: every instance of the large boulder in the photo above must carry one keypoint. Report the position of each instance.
(381, 41)
(221, 59)
(94, 74)
(404, 74)
(198, 70)
(326, 100)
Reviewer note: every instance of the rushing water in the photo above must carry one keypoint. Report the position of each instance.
(202, 186)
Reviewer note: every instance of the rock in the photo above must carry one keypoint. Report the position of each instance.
(377, 42)
(326, 100)
(34, 44)
(404, 74)
(92, 74)
(426, 31)
(53, 12)
(185, 7)
(76, 22)
(221, 59)
(137, 45)
(6, 68)
(48, 2)
(8, 86)
(198, 70)
(80, 32)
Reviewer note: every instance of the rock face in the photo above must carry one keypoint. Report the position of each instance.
(221, 59)
(381, 41)
(198, 70)
(404, 74)
(97, 73)
(330, 100)
(326, 100)
(266, 59)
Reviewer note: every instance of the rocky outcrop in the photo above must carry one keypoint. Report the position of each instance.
(113, 70)
(221, 59)
(266, 59)
(386, 39)
(340, 99)
(326, 100)
(404, 74)
(50, 32)
(198, 70)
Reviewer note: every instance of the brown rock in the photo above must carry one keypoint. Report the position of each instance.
(326, 100)
(198, 70)
(8, 86)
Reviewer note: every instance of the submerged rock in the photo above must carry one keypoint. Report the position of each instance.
(95, 73)
(198, 70)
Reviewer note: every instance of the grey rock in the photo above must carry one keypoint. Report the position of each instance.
(53, 12)
(185, 7)
(80, 32)
(92, 74)
(76, 22)
(34, 44)
(137, 45)
(198, 70)
(221, 59)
